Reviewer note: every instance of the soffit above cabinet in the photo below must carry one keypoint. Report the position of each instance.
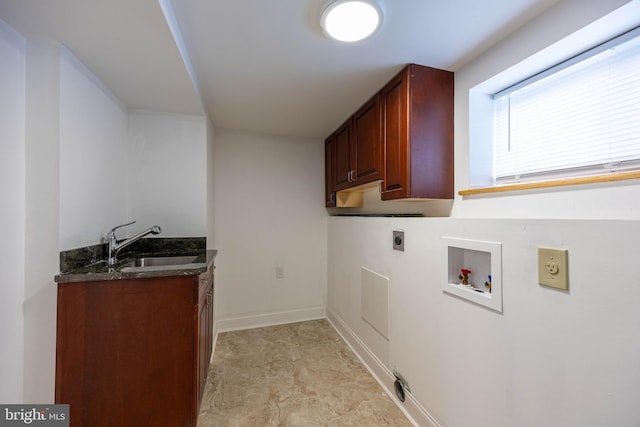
(127, 44)
(263, 66)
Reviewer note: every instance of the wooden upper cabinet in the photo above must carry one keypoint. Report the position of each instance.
(358, 147)
(396, 135)
(367, 143)
(417, 122)
(343, 153)
(329, 172)
(403, 136)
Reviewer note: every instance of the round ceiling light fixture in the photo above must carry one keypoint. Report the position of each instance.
(351, 20)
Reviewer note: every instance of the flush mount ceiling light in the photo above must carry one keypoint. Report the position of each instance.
(351, 20)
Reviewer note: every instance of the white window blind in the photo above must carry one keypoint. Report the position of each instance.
(579, 118)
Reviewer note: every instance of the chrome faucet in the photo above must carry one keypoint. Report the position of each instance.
(114, 245)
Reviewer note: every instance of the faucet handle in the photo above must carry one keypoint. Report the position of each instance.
(112, 233)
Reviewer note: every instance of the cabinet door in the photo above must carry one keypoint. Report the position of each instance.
(395, 117)
(367, 143)
(125, 352)
(329, 172)
(343, 155)
(209, 327)
(205, 334)
(202, 363)
(431, 133)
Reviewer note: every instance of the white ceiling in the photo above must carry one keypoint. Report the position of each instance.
(262, 66)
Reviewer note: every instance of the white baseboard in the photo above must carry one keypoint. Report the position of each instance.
(215, 340)
(269, 319)
(411, 408)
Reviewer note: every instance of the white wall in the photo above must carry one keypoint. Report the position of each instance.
(12, 213)
(117, 165)
(66, 178)
(42, 218)
(586, 201)
(210, 185)
(551, 358)
(168, 173)
(93, 156)
(268, 212)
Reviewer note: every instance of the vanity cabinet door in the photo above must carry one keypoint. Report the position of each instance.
(124, 352)
(134, 352)
(201, 376)
(205, 336)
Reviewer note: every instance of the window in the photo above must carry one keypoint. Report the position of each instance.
(579, 118)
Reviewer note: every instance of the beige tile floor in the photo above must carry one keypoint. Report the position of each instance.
(300, 374)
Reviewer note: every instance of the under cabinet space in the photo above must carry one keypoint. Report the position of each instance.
(354, 197)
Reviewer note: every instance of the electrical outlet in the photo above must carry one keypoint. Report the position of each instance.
(279, 272)
(398, 240)
(553, 268)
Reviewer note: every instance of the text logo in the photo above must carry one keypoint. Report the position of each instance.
(34, 415)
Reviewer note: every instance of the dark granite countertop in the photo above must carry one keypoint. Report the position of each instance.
(80, 265)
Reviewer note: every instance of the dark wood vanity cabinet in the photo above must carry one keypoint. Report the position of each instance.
(403, 136)
(134, 352)
(417, 119)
